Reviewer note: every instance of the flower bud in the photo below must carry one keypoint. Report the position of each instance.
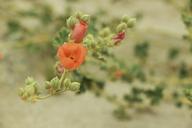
(131, 23)
(71, 21)
(79, 32)
(75, 86)
(89, 41)
(125, 19)
(30, 86)
(59, 68)
(31, 89)
(55, 83)
(29, 81)
(121, 27)
(78, 15)
(188, 93)
(105, 32)
(85, 18)
(67, 83)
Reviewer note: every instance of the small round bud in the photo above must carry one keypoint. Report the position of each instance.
(71, 21)
(78, 15)
(59, 68)
(121, 27)
(188, 93)
(85, 18)
(131, 23)
(31, 89)
(55, 83)
(89, 41)
(105, 32)
(75, 86)
(67, 83)
(125, 19)
(29, 81)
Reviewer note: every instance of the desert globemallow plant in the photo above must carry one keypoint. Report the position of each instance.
(80, 45)
(72, 53)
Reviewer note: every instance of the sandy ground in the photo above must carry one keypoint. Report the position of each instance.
(87, 111)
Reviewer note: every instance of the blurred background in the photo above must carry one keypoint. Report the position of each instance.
(27, 28)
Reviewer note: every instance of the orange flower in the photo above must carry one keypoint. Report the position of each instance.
(71, 55)
(79, 32)
(118, 74)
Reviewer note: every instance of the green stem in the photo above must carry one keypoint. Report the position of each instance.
(63, 76)
(49, 95)
(43, 97)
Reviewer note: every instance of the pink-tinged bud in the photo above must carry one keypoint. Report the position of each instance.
(79, 32)
(59, 68)
(119, 37)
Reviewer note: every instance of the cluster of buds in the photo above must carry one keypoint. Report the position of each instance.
(55, 86)
(79, 25)
(126, 22)
(107, 37)
(30, 91)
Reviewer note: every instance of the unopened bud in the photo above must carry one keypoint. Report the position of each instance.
(125, 19)
(31, 89)
(89, 41)
(75, 86)
(71, 21)
(55, 83)
(131, 23)
(30, 81)
(67, 83)
(105, 32)
(78, 15)
(121, 27)
(85, 18)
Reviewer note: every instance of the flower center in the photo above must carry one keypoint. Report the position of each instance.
(73, 59)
